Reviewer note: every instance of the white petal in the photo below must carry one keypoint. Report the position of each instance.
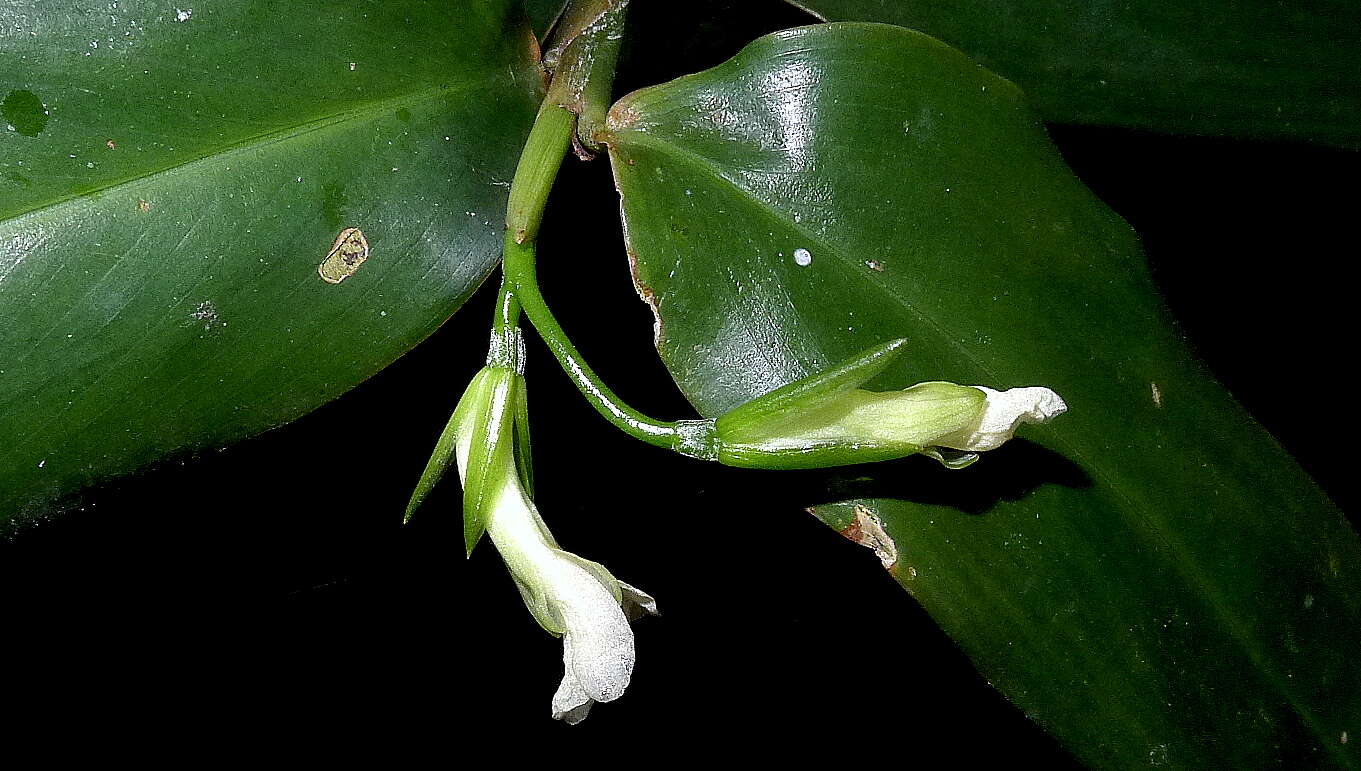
(601, 653)
(570, 703)
(637, 602)
(1005, 411)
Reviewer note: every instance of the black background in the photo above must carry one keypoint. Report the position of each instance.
(242, 594)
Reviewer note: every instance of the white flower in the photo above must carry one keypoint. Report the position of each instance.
(1003, 413)
(570, 596)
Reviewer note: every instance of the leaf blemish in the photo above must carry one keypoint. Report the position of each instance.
(207, 313)
(1157, 394)
(349, 251)
(621, 116)
(647, 295)
(869, 532)
(24, 113)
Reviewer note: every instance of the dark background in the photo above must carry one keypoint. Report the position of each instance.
(234, 595)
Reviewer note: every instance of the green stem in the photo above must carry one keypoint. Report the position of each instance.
(547, 143)
(544, 150)
(519, 269)
(583, 53)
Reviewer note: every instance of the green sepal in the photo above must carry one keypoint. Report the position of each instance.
(800, 394)
(856, 426)
(951, 459)
(537, 605)
(489, 452)
(812, 456)
(447, 444)
(524, 459)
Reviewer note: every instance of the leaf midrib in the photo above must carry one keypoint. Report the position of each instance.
(363, 111)
(1190, 569)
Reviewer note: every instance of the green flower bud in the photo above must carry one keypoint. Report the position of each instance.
(826, 420)
(854, 426)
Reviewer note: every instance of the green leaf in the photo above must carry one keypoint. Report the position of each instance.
(173, 187)
(1150, 577)
(1191, 66)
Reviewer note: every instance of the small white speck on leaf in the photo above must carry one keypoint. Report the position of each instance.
(1157, 394)
(185, 15)
(803, 257)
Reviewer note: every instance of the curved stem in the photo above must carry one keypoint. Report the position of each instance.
(519, 267)
(548, 141)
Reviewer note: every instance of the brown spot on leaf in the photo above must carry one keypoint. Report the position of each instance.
(621, 116)
(349, 251)
(869, 532)
(648, 296)
(143, 205)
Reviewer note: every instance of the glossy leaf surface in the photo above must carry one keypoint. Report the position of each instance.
(1196, 66)
(1150, 577)
(214, 220)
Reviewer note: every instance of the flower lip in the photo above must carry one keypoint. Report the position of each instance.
(597, 644)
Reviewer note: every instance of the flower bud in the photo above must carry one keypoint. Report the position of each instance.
(826, 420)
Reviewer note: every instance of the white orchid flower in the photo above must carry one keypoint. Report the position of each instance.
(568, 595)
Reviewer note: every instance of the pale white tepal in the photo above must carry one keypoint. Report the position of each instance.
(1003, 413)
(569, 596)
